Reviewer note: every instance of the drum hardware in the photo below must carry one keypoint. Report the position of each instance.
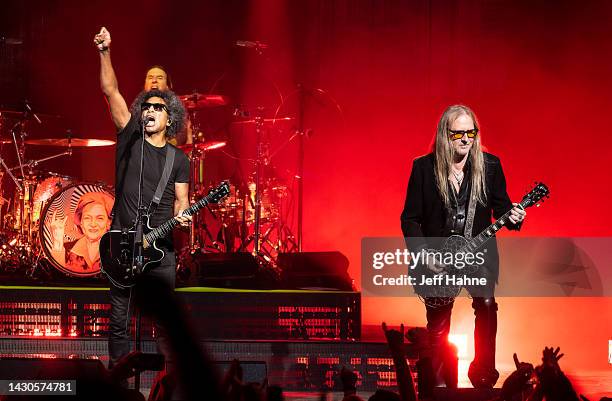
(199, 101)
(300, 170)
(199, 233)
(251, 217)
(278, 122)
(27, 115)
(258, 207)
(27, 207)
(19, 148)
(31, 164)
(8, 170)
(202, 146)
(23, 249)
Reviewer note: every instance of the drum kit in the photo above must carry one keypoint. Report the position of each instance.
(45, 216)
(30, 194)
(252, 219)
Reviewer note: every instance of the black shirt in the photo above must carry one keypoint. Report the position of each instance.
(457, 213)
(127, 169)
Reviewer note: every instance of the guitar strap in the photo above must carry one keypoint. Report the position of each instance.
(469, 221)
(163, 181)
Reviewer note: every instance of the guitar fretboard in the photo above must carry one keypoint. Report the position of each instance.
(169, 225)
(489, 232)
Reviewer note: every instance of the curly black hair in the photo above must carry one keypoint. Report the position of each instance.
(176, 111)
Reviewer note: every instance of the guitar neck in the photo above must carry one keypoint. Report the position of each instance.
(169, 225)
(490, 231)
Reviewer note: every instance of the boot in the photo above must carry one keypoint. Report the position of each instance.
(482, 372)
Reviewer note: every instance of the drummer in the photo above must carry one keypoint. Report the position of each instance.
(156, 78)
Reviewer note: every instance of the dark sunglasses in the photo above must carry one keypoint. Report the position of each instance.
(458, 134)
(156, 106)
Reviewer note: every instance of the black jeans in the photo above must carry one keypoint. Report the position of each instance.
(482, 372)
(122, 304)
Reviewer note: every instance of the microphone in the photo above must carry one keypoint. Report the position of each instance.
(257, 45)
(148, 119)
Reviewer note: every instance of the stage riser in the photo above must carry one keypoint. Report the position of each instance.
(261, 315)
(293, 365)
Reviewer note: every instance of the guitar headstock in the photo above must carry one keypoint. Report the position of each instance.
(539, 192)
(218, 193)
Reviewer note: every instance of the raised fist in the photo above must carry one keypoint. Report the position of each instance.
(103, 39)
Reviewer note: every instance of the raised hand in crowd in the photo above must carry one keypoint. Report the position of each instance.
(553, 384)
(551, 357)
(405, 384)
(395, 339)
(518, 382)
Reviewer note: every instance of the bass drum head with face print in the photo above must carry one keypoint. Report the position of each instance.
(71, 225)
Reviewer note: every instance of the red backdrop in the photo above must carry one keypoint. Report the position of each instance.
(535, 72)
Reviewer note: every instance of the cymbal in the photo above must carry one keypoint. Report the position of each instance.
(73, 142)
(18, 115)
(203, 146)
(198, 101)
(266, 121)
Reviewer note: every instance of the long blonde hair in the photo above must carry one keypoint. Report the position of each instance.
(444, 154)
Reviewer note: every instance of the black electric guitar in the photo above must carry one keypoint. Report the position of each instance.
(436, 283)
(117, 246)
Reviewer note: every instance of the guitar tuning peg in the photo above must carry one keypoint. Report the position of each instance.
(538, 204)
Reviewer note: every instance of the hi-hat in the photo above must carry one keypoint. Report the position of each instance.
(73, 142)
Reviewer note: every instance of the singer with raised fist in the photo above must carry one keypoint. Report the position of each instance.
(156, 116)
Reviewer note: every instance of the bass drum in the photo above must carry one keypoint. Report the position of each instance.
(71, 225)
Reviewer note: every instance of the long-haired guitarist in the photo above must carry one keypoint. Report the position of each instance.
(442, 186)
(163, 115)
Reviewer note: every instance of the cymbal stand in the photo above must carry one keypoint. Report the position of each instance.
(25, 192)
(30, 164)
(300, 169)
(8, 170)
(20, 149)
(262, 159)
(199, 228)
(286, 241)
(278, 237)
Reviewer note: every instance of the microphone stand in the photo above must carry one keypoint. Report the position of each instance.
(138, 251)
(300, 169)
